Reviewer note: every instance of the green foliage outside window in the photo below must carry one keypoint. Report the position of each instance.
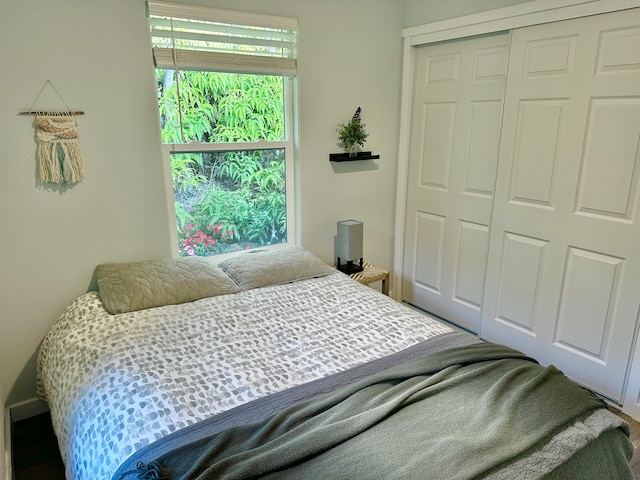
(233, 200)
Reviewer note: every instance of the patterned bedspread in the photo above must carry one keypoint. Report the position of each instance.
(115, 383)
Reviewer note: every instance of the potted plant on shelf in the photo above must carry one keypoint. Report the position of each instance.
(352, 134)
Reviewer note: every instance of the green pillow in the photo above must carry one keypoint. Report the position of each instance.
(126, 287)
(260, 268)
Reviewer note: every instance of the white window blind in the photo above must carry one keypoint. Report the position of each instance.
(200, 38)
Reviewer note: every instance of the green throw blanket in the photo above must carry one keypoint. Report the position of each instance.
(456, 414)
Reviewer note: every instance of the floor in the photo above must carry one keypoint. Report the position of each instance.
(35, 449)
(635, 439)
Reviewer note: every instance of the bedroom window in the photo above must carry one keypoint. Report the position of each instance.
(224, 83)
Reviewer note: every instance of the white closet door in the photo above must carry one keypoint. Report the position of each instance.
(455, 136)
(563, 277)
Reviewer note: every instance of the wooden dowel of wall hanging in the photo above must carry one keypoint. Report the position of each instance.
(52, 114)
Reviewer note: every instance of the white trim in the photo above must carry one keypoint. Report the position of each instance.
(171, 199)
(515, 16)
(290, 163)
(292, 122)
(408, 67)
(501, 19)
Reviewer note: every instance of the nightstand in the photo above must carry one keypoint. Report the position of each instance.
(372, 273)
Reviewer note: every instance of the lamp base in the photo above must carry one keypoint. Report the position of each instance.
(350, 267)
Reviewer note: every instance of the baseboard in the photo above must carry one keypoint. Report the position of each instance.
(14, 413)
(28, 408)
(7, 469)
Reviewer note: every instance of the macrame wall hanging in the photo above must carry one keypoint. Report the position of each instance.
(60, 157)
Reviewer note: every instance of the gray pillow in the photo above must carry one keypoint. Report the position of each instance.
(274, 266)
(126, 287)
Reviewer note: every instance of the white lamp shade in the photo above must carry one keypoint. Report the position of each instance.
(349, 240)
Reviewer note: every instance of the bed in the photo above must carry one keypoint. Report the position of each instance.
(273, 365)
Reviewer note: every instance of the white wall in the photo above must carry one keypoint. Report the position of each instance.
(419, 12)
(350, 55)
(97, 56)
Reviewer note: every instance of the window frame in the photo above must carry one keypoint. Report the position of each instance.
(288, 145)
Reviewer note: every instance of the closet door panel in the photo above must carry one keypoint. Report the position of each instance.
(455, 138)
(549, 56)
(437, 144)
(522, 259)
(429, 251)
(619, 52)
(473, 243)
(608, 175)
(585, 303)
(535, 156)
(485, 118)
(568, 183)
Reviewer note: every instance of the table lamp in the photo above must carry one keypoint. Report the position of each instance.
(349, 246)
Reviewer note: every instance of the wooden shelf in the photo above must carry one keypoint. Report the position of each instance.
(344, 157)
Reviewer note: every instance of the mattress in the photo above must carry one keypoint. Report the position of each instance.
(115, 383)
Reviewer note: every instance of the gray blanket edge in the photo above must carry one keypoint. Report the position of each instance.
(569, 442)
(265, 406)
